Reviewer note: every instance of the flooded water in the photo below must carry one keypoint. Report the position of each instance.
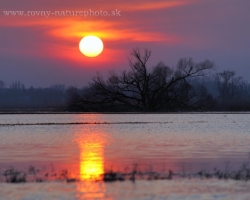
(88, 145)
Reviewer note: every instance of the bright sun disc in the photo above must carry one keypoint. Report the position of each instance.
(91, 46)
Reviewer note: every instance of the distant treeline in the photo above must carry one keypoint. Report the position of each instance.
(216, 92)
(221, 95)
(188, 86)
(17, 97)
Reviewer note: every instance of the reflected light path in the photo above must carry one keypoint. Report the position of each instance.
(91, 155)
(91, 165)
(91, 159)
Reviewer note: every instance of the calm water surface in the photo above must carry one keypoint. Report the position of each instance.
(89, 144)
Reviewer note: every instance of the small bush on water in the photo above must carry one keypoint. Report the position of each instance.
(33, 171)
(113, 176)
(14, 176)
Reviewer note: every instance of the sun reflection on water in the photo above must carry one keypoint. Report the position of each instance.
(91, 161)
(91, 147)
(91, 165)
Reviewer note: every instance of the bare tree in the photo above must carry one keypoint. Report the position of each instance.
(229, 86)
(148, 89)
(17, 85)
(2, 84)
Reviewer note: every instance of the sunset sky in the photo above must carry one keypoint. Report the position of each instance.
(43, 50)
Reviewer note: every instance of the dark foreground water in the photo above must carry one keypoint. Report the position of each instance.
(88, 145)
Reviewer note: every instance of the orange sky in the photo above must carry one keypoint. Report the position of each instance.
(43, 50)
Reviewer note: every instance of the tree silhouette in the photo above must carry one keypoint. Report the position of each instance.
(2, 84)
(230, 86)
(148, 89)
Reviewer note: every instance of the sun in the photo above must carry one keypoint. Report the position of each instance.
(91, 46)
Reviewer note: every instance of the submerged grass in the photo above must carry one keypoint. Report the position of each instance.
(12, 175)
